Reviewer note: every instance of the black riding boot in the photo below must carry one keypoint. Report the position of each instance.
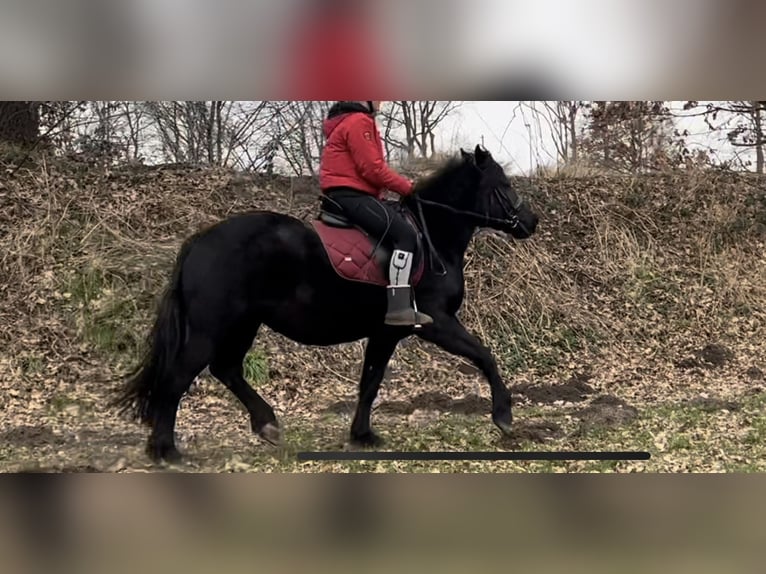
(401, 308)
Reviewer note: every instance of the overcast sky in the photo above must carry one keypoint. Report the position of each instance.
(503, 132)
(506, 136)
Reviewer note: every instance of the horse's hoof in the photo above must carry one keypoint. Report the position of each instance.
(367, 440)
(164, 453)
(504, 423)
(271, 433)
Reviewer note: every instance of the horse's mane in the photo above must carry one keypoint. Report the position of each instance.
(445, 179)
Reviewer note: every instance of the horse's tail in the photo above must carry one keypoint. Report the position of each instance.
(143, 390)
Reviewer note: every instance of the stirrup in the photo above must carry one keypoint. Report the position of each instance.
(417, 315)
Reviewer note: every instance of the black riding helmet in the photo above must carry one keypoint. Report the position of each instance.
(347, 107)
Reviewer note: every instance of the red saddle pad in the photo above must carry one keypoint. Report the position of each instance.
(351, 254)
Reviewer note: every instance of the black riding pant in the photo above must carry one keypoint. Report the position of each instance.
(376, 217)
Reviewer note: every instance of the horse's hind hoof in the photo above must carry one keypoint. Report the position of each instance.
(504, 423)
(271, 433)
(367, 440)
(166, 454)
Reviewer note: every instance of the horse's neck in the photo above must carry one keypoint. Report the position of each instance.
(450, 233)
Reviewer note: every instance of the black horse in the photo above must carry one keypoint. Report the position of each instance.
(270, 269)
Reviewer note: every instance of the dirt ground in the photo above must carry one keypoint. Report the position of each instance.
(716, 423)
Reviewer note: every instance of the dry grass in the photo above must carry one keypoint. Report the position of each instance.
(627, 279)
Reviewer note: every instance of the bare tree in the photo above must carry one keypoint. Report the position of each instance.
(411, 126)
(554, 122)
(215, 132)
(135, 124)
(191, 131)
(560, 119)
(62, 123)
(745, 127)
(260, 135)
(256, 133)
(101, 138)
(631, 136)
(301, 135)
(738, 123)
(111, 130)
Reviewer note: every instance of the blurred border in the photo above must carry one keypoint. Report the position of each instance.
(422, 49)
(391, 523)
(143, 50)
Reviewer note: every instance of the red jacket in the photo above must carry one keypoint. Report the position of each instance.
(353, 155)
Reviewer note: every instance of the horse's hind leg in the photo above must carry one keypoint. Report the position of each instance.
(192, 360)
(227, 367)
(379, 350)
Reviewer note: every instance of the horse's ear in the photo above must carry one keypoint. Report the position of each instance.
(482, 155)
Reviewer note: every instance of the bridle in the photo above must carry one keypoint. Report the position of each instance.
(511, 211)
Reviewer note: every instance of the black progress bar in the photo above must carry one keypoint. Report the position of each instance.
(470, 456)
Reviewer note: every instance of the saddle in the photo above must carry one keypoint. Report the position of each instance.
(355, 255)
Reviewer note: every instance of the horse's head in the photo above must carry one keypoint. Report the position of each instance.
(496, 201)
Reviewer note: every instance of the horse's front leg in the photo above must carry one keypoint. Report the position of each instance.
(449, 334)
(376, 358)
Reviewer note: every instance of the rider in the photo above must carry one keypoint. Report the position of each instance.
(353, 176)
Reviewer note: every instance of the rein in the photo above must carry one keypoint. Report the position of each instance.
(430, 244)
(510, 210)
(513, 219)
